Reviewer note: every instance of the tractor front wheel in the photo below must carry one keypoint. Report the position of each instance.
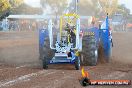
(77, 63)
(45, 64)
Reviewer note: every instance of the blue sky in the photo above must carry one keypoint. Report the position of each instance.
(35, 3)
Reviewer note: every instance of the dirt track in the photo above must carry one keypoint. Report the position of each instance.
(20, 67)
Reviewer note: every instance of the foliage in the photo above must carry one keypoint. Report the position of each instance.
(7, 5)
(26, 9)
(88, 7)
(15, 3)
(4, 8)
(4, 5)
(57, 6)
(122, 9)
(108, 6)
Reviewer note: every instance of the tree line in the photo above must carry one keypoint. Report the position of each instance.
(57, 7)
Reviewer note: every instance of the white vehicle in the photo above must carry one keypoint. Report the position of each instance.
(119, 22)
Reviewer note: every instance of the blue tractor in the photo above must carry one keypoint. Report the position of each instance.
(74, 45)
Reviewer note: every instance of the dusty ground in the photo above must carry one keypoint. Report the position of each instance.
(20, 67)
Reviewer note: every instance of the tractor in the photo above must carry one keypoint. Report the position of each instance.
(64, 47)
(72, 44)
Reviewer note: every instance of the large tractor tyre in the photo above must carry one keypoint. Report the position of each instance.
(46, 54)
(77, 63)
(89, 51)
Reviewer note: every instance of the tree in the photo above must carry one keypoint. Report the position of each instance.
(108, 6)
(26, 9)
(15, 3)
(7, 5)
(57, 6)
(4, 9)
(88, 7)
(4, 5)
(122, 9)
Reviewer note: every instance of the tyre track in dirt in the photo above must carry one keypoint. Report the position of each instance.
(23, 78)
(42, 80)
(7, 73)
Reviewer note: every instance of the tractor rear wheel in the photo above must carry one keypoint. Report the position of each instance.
(46, 53)
(89, 51)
